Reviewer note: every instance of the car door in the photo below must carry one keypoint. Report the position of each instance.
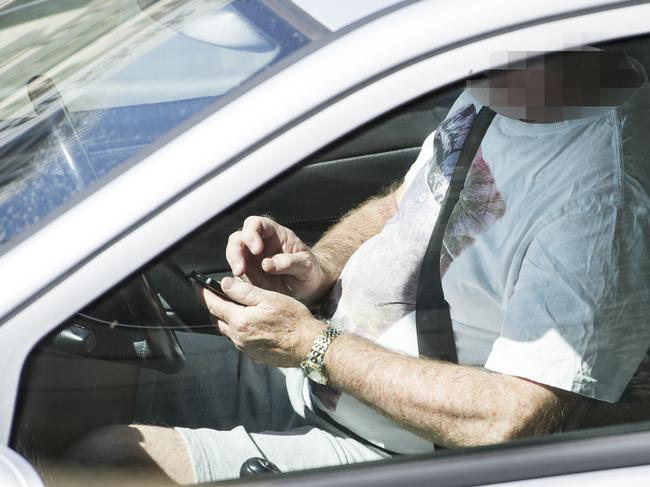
(469, 468)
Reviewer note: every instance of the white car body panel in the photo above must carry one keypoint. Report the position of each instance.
(16, 471)
(190, 157)
(629, 477)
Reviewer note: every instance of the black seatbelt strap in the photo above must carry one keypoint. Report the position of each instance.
(433, 322)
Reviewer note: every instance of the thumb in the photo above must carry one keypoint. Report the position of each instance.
(242, 292)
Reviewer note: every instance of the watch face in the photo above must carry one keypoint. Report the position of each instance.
(314, 372)
(317, 376)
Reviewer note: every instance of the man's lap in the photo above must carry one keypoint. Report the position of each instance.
(221, 396)
(218, 388)
(218, 455)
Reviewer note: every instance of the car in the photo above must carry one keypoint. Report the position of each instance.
(136, 135)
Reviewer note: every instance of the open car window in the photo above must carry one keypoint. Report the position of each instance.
(545, 283)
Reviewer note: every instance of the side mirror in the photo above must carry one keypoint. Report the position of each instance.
(223, 26)
(226, 27)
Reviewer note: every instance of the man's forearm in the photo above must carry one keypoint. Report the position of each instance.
(358, 225)
(452, 405)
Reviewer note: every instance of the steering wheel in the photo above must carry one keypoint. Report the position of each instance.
(131, 324)
(140, 299)
(145, 309)
(168, 280)
(141, 295)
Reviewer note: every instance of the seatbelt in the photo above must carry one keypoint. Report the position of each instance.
(432, 318)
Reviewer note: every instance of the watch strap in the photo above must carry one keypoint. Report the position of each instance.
(316, 356)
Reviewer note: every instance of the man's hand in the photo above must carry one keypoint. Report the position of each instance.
(272, 257)
(269, 327)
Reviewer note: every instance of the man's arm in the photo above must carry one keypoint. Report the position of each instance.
(358, 225)
(451, 404)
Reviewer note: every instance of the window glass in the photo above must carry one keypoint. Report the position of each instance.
(542, 258)
(87, 84)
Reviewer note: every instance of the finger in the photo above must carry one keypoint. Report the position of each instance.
(293, 264)
(254, 273)
(220, 308)
(242, 292)
(255, 230)
(236, 254)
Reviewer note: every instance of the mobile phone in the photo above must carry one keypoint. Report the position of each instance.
(210, 284)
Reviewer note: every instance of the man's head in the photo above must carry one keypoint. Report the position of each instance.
(557, 86)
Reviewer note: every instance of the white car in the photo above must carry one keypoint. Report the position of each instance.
(136, 135)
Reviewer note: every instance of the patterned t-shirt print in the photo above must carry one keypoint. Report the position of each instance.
(447, 143)
(480, 205)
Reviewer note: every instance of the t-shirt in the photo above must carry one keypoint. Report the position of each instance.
(545, 260)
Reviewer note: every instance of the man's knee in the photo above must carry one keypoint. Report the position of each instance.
(136, 447)
(109, 446)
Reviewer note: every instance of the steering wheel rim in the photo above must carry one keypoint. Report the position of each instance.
(168, 279)
(161, 344)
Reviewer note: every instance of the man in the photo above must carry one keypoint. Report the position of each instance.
(537, 266)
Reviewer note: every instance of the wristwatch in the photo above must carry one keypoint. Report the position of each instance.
(313, 365)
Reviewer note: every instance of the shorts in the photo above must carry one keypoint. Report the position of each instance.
(219, 455)
(229, 409)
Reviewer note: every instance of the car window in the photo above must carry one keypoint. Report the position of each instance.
(86, 85)
(543, 262)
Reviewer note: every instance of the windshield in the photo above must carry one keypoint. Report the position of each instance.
(85, 85)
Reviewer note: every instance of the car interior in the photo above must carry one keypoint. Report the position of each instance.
(129, 356)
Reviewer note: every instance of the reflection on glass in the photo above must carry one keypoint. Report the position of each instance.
(124, 73)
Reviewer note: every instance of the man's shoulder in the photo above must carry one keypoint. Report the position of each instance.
(463, 101)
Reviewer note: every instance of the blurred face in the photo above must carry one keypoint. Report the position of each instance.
(558, 86)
